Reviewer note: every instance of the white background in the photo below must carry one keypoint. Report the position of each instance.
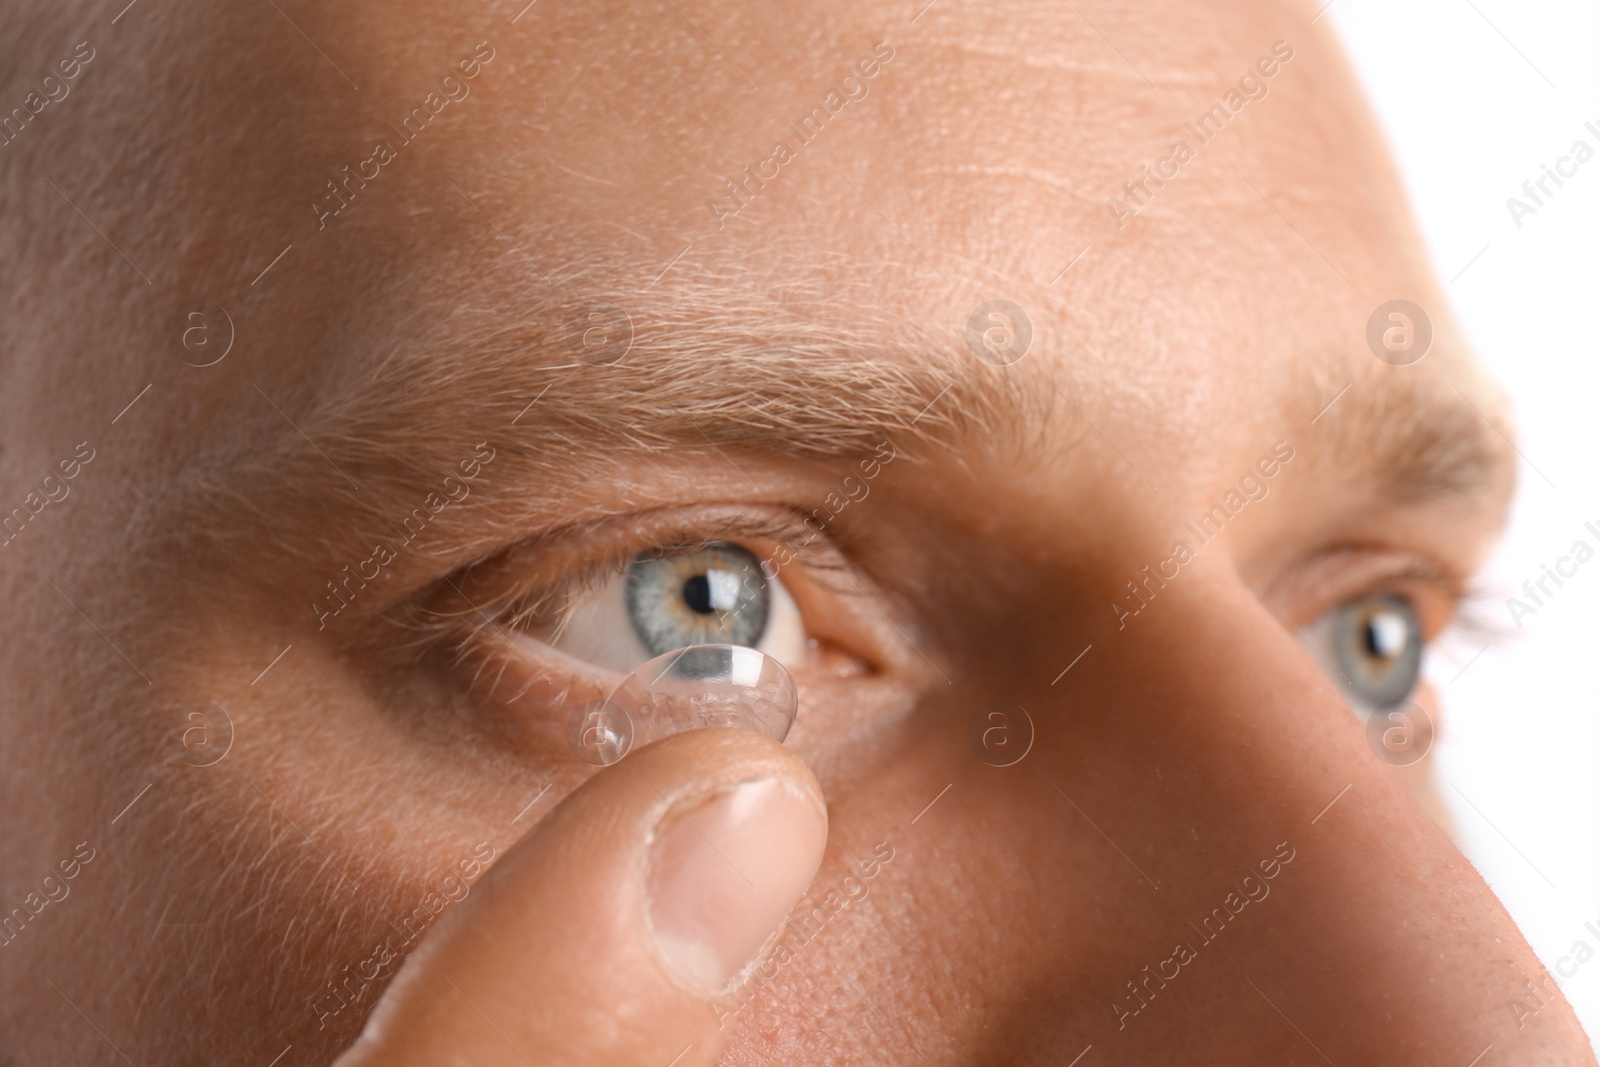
(1475, 95)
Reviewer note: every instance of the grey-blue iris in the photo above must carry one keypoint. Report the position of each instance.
(712, 595)
(1377, 643)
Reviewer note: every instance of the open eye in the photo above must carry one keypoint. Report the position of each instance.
(714, 594)
(1374, 643)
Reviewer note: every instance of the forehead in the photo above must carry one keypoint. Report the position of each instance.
(1186, 202)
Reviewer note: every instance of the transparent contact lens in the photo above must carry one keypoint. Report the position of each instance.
(599, 734)
(726, 686)
(694, 688)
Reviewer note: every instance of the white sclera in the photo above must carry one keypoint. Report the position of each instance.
(719, 686)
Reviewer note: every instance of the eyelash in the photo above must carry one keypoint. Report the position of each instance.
(467, 629)
(1475, 621)
(473, 623)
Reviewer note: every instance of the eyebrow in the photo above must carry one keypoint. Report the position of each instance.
(697, 385)
(733, 377)
(699, 376)
(1424, 439)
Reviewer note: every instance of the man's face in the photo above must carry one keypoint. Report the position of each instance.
(515, 296)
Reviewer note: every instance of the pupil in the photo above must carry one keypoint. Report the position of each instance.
(697, 594)
(1385, 635)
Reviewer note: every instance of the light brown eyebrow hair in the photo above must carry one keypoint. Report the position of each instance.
(1419, 439)
(702, 374)
(695, 376)
(732, 375)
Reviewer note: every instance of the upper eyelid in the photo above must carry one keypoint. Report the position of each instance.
(466, 611)
(1437, 612)
(1476, 620)
(1342, 573)
(683, 542)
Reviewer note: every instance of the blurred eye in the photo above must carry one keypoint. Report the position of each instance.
(715, 594)
(1375, 643)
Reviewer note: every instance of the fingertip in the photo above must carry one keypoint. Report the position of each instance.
(726, 871)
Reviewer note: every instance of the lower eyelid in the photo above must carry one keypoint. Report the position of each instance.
(534, 680)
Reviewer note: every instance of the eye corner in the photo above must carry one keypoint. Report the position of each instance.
(1372, 614)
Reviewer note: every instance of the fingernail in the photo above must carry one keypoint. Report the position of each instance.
(726, 872)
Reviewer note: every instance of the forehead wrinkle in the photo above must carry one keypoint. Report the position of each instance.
(708, 371)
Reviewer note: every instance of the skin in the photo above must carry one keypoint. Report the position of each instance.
(1174, 757)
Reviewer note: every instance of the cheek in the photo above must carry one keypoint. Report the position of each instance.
(1419, 778)
(227, 862)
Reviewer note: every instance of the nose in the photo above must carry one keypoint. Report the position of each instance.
(1269, 886)
(1188, 854)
